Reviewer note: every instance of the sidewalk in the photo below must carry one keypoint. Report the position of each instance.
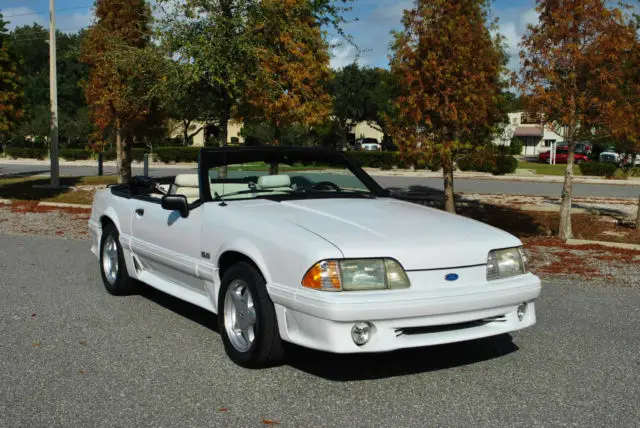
(523, 175)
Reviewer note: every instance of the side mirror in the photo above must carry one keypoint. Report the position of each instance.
(176, 203)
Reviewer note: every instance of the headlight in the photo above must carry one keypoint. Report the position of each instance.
(356, 274)
(505, 263)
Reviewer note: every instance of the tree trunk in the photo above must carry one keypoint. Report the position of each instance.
(185, 132)
(564, 231)
(121, 156)
(638, 215)
(224, 132)
(273, 167)
(449, 199)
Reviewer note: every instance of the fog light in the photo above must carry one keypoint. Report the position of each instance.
(360, 333)
(522, 309)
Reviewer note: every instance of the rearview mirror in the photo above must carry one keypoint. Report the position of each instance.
(176, 203)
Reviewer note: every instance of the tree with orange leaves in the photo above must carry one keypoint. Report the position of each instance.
(10, 87)
(576, 68)
(448, 68)
(116, 89)
(293, 66)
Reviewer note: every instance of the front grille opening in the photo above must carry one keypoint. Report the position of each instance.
(409, 331)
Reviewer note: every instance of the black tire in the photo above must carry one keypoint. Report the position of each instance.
(123, 284)
(266, 349)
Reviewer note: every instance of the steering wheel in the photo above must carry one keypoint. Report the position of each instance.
(321, 184)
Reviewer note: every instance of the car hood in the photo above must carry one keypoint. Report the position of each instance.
(417, 236)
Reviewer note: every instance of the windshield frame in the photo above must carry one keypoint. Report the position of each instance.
(215, 157)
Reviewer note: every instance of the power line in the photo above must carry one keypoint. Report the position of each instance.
(46, 12)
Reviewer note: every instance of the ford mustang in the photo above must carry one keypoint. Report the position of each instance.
(301, 245)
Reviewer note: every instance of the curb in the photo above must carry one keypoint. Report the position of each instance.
(620, 245)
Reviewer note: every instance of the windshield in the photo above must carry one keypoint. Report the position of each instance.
(293, 174)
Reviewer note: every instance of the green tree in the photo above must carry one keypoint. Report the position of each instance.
(218, 40)
(121, 73)
(10, 86)
(448, 67)
(187, 98)
(29, 44)
(577, 70)
(362, 94)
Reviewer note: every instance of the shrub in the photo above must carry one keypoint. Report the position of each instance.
(464, 163)
(177, 154)
(74, 154)
(504, 164)
(384, 160)
(516, 146)
(26, 152)
(137, 154)
(600, 169)
(498, 164)
(435, 163)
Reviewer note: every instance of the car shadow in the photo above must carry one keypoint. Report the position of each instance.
(354, 367)
(350, 367)
(192, 312)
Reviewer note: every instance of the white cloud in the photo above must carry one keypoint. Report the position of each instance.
(531, 16)
(343, 54)
(512, 37)
(513, 25)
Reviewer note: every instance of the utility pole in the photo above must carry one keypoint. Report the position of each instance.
(53, 90)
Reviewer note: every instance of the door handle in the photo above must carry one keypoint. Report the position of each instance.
(140, 211)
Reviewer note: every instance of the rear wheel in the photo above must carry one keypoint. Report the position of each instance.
(247, 318)
(113, 269)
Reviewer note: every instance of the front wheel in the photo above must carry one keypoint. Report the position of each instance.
(247, 318)
(115, 277)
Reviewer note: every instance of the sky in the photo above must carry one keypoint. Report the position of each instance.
(371, 31)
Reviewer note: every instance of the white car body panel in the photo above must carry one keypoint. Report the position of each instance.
(180, 256)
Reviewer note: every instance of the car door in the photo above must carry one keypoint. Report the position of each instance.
(166, 244)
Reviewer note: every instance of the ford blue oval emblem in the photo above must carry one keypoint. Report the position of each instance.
(451, 276)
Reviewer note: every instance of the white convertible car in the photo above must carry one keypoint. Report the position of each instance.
(301, 245)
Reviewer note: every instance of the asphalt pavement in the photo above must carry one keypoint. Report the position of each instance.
(72, 355)
(420, 185)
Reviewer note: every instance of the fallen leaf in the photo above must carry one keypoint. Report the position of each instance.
(81, 371)
(270, 422)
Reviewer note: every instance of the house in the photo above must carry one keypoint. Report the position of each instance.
(365, 130)
(206, 131)
(528, 127)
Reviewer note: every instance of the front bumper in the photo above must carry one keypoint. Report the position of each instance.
(324, 322)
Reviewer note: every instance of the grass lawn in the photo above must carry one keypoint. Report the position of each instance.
(546, 169)
(23, 189)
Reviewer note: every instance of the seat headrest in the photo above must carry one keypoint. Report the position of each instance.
(187, 180)
(271, 181)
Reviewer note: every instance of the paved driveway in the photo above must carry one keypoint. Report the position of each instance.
(71, 355)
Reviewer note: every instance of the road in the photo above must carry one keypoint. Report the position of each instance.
(416, 184)
(71, 355)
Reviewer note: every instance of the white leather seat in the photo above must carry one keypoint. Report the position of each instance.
(188, 185)
(275, 182)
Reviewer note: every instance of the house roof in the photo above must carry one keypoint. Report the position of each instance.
(529, 131)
